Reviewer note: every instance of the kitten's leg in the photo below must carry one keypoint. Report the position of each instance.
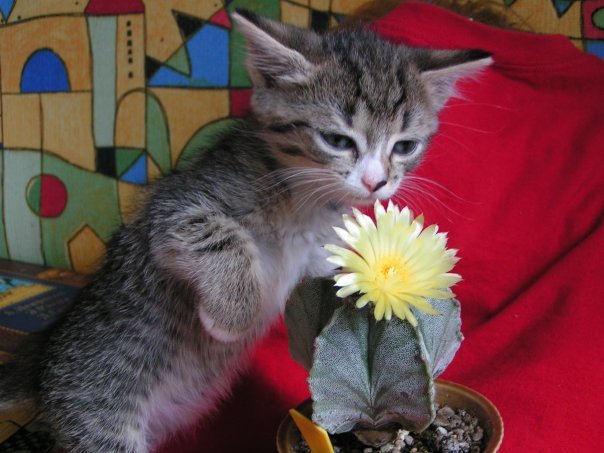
(81, 432)
(221, 261)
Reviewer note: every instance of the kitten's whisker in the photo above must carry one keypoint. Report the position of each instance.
(311, 193)
(398, 199)
(414, 193)
(305, 184)
(457, 142)
(301, 184)
(479, 104)
(279, 174)
(300, 169)
(419, 180)
(328, 196)
(311, 182)
(279, 182)
(438, 202)
(472, 129)
(305, 193)
(332, 197)
(278, 177)
(412, 199)
(307, 176)
(416, 189)
(429, 197)
(342, 197)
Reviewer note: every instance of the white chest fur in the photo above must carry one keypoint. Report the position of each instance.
(294, 252)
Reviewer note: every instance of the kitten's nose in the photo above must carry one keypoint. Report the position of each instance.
(372, 186)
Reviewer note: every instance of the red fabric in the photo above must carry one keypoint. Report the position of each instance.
(521, 158)
(114, 7)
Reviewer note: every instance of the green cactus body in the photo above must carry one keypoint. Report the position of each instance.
(367, 374)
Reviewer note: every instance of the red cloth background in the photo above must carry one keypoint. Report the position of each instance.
(521, 158)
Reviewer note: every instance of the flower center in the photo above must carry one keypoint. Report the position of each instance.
(391, 267)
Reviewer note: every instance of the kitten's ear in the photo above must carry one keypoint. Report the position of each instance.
(269, 58)
(441, 69)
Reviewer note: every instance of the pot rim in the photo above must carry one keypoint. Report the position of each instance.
(479, 405)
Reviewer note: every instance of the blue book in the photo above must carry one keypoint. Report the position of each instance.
(29, 304)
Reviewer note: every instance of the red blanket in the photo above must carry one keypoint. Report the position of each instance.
(520, 158)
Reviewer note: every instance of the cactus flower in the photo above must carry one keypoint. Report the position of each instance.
(394, 263)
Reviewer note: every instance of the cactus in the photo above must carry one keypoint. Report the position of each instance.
(371, 371)
(367, 374)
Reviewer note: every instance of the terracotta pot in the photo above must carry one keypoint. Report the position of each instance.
(447, 393)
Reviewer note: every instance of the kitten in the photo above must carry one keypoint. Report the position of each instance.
(207, 265)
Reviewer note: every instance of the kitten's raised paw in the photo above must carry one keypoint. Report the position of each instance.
(216, 332)
(319, 266)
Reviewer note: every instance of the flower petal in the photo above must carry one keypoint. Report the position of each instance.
(345, 235)
(378, 312)
(346, 279)
(362, 301)
(351, 261)
(422, 304)
(347, 291)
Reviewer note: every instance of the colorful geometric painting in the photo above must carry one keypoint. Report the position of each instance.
(582, 21)
(100, 97)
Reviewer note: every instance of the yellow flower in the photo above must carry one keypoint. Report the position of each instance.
(395, 264)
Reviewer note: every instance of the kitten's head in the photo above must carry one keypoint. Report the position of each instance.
(354, 107)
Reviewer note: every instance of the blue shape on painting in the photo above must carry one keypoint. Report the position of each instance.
(6, 6)
(562, 6)
(137, 173)
(208, 51)
(44, 72)
(168, 77)
(595, 48)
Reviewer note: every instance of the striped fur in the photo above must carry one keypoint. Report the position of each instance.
(207, 264)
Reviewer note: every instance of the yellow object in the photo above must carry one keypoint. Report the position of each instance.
(21, 293)
(394, 262)
(315, 436)
(12, 419)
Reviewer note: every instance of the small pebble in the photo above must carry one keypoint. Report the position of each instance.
(441, 421)
(461, 433)
(478, 433)
(446, 411)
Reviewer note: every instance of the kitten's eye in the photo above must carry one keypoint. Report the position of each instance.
(405, 147)
(338, 141)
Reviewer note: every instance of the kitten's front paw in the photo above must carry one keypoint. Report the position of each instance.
(216, 332)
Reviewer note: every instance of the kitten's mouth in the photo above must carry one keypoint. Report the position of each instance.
(370, 198)
(366, 200)
(360, 197)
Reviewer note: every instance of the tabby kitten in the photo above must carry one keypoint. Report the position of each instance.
(207, 265)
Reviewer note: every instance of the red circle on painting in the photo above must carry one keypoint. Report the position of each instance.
(53, 196)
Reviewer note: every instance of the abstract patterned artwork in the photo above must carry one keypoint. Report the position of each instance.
(100, 97)
(582, 21)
